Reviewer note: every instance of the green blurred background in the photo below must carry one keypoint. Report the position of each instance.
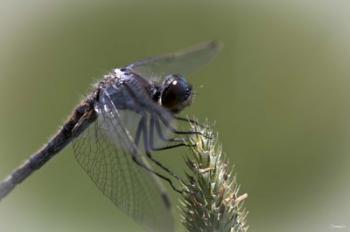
(278, 92)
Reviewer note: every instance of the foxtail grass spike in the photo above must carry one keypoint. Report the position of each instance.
(211, 201)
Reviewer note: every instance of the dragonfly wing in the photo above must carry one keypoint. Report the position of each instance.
(105, 152)
(182, 62)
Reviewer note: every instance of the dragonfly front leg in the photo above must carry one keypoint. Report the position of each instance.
(194, 122)
(175, 131)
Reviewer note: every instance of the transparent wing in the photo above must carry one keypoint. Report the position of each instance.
(105, 152)
(181, 62)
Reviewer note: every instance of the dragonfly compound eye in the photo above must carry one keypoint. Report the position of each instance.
(176, 93)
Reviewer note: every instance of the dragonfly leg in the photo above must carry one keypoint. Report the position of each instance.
(155, 124)
(195, 122)
(157, 174)
(180, 141)
(142, 129)
(149, 146)
(175, 131)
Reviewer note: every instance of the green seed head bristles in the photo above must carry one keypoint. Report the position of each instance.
(210, 200)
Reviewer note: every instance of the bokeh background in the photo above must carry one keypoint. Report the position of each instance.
(278, 92)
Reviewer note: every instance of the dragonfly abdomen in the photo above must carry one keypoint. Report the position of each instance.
(81, 117)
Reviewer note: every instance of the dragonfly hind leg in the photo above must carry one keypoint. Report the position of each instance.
(141, 164)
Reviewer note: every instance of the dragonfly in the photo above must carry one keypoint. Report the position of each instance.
(130, 114)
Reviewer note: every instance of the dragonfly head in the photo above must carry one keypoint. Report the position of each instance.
(176, 93)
